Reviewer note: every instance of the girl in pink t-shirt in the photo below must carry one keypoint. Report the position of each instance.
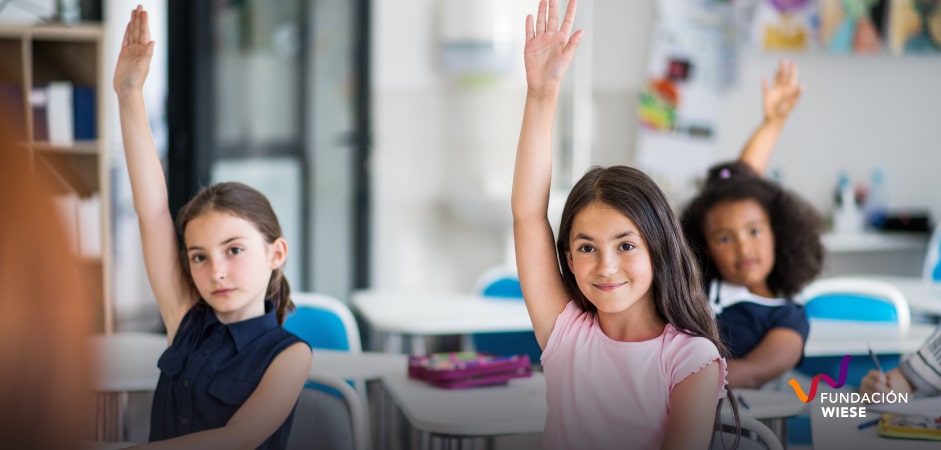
(631, 355)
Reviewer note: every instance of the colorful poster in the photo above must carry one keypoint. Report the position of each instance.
(851, 26)
(914, 26)
(785, 25)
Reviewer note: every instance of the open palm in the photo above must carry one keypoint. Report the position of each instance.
(781, 97)
(136, 52)
(550, 45)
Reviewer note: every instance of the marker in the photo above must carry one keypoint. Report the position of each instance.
(869, 423)
(874, 359)
(743, 402)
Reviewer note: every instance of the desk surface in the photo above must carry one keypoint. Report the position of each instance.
(922, 297)
(840, 337)
(831, 433)
(517, 407)
(440, 313)
(764, 405)
(874, 242)
(365, 365)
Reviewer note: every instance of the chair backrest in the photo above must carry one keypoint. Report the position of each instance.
(329, 418)
(754, 435)
(858, 299)
(324, 322)
(932, 271)
(500, 282)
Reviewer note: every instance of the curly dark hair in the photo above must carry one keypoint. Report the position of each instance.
(798, 252)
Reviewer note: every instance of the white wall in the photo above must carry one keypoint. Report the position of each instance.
(434, 137)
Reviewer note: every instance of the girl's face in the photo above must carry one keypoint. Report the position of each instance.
(231, 263)
(609, 259)
(741, 243)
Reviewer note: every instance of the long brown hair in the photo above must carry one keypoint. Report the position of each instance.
(677, 291)
(676, 288)
(247, 203)
(46, 308)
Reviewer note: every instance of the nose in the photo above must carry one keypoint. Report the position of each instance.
(218, 269)
(608, 263)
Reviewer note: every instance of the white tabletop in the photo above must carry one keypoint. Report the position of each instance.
(127, 361)
(517, 407)
(765, 405)
(830, 433)
(364, 365)
(841, 337)
(922, 297)
(440, 313)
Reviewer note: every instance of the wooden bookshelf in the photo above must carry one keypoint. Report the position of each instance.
(31, 57)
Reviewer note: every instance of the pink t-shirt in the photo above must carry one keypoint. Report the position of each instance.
(607, 394)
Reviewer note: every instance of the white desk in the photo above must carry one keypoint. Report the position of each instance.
(453, 414)
(831, 433)
(839, 337)
(364, 366)
(922, 297)
(124, 362)
(412, 315)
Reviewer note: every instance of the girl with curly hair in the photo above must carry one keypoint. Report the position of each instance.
(758, 245)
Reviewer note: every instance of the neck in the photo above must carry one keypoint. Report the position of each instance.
(638, 323)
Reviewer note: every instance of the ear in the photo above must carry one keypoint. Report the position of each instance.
(568, 259)
(279, 253)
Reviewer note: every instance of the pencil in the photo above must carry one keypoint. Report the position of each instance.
(869, 423)
(874, 359)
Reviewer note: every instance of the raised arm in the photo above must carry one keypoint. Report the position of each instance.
(550, 47)
(161, 257)
(779, 100)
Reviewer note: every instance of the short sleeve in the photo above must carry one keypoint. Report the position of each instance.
(570, 317)
(792, 316)
(687, 355)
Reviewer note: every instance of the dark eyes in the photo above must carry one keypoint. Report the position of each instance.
(624, 247)
(235, 250)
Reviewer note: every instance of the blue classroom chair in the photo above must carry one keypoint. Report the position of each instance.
(503, 283)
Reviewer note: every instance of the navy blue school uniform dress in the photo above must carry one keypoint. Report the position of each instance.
(745, 318)
(211, 369)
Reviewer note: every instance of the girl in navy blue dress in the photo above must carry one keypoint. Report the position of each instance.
(758, 245)
(231, 375)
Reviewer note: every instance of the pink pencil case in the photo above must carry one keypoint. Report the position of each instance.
(454, 370)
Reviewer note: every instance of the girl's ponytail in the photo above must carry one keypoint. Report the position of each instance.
(279, 292)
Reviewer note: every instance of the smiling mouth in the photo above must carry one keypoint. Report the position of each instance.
(609, 286)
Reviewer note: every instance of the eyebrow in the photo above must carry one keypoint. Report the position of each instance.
(227, 241)
(586, 237)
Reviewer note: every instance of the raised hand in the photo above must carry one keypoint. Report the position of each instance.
(550, 46)
(781, 97)
(136, 52)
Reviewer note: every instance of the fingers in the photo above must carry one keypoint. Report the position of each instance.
(573, 42)
(553, 23)
(145, 27)
(529, 27)
(541, 17)
(569, 21)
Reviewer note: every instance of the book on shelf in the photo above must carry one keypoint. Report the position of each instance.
(64, 113)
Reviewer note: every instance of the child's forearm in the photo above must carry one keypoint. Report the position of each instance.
(148, 184)
(532, 175)
(757, 151)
